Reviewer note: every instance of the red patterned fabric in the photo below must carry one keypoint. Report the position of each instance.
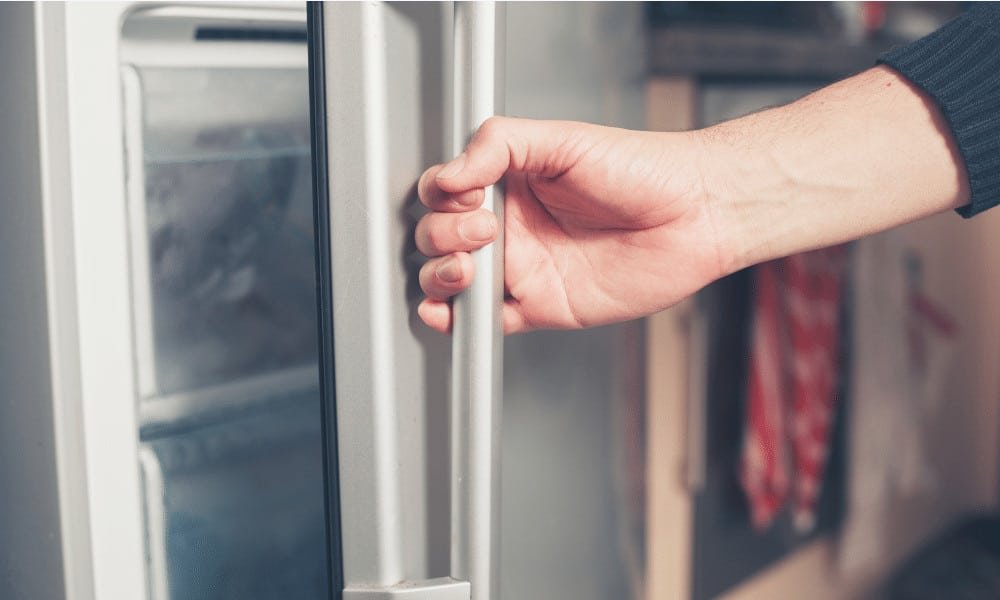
(792, 383)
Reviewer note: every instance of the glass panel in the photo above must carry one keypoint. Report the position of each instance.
(226, 330)
(240, 505)
(229, 217)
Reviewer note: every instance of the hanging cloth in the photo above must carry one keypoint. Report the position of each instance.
(792, 384)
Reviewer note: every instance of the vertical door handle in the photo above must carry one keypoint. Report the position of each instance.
(477, 345)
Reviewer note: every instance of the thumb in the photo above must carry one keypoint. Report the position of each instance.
(504, 144)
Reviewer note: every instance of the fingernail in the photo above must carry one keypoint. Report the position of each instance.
(449, 271)
(452, 168)
(476, 228)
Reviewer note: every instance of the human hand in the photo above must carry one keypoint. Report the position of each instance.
(601, 224)
(605, 225)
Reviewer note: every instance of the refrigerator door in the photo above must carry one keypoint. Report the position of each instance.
(399, 87)
(382, 110)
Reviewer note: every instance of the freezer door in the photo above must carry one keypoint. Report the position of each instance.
(396, 88)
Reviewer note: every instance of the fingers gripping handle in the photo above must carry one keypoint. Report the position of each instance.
(477, 343)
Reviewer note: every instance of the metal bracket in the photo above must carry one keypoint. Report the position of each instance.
(442, 588)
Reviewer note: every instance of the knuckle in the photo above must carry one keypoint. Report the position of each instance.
(422, 236)
(434, 237)
(438, 239)
(491, 127)
(471, 199)
(422, 185)
(428, 193)
(421, 226)
(426, 278)
(422, 180)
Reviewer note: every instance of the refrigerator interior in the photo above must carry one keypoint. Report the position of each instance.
(224, 307)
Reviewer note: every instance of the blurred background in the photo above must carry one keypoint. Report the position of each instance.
(159, 268)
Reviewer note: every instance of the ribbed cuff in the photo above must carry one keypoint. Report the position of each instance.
(959, 66)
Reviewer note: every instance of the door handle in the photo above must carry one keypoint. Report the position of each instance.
(477, 330)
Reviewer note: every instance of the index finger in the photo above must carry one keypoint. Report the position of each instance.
(436, 199)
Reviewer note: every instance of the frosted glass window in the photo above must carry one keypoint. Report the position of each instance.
(230, 444)
(229, 217)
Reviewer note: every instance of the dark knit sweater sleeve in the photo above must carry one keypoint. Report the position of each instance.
(959, 67)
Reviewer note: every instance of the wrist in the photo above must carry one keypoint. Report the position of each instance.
(861, 156)
(743, 192)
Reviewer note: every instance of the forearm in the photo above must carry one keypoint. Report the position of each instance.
(861, 156)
